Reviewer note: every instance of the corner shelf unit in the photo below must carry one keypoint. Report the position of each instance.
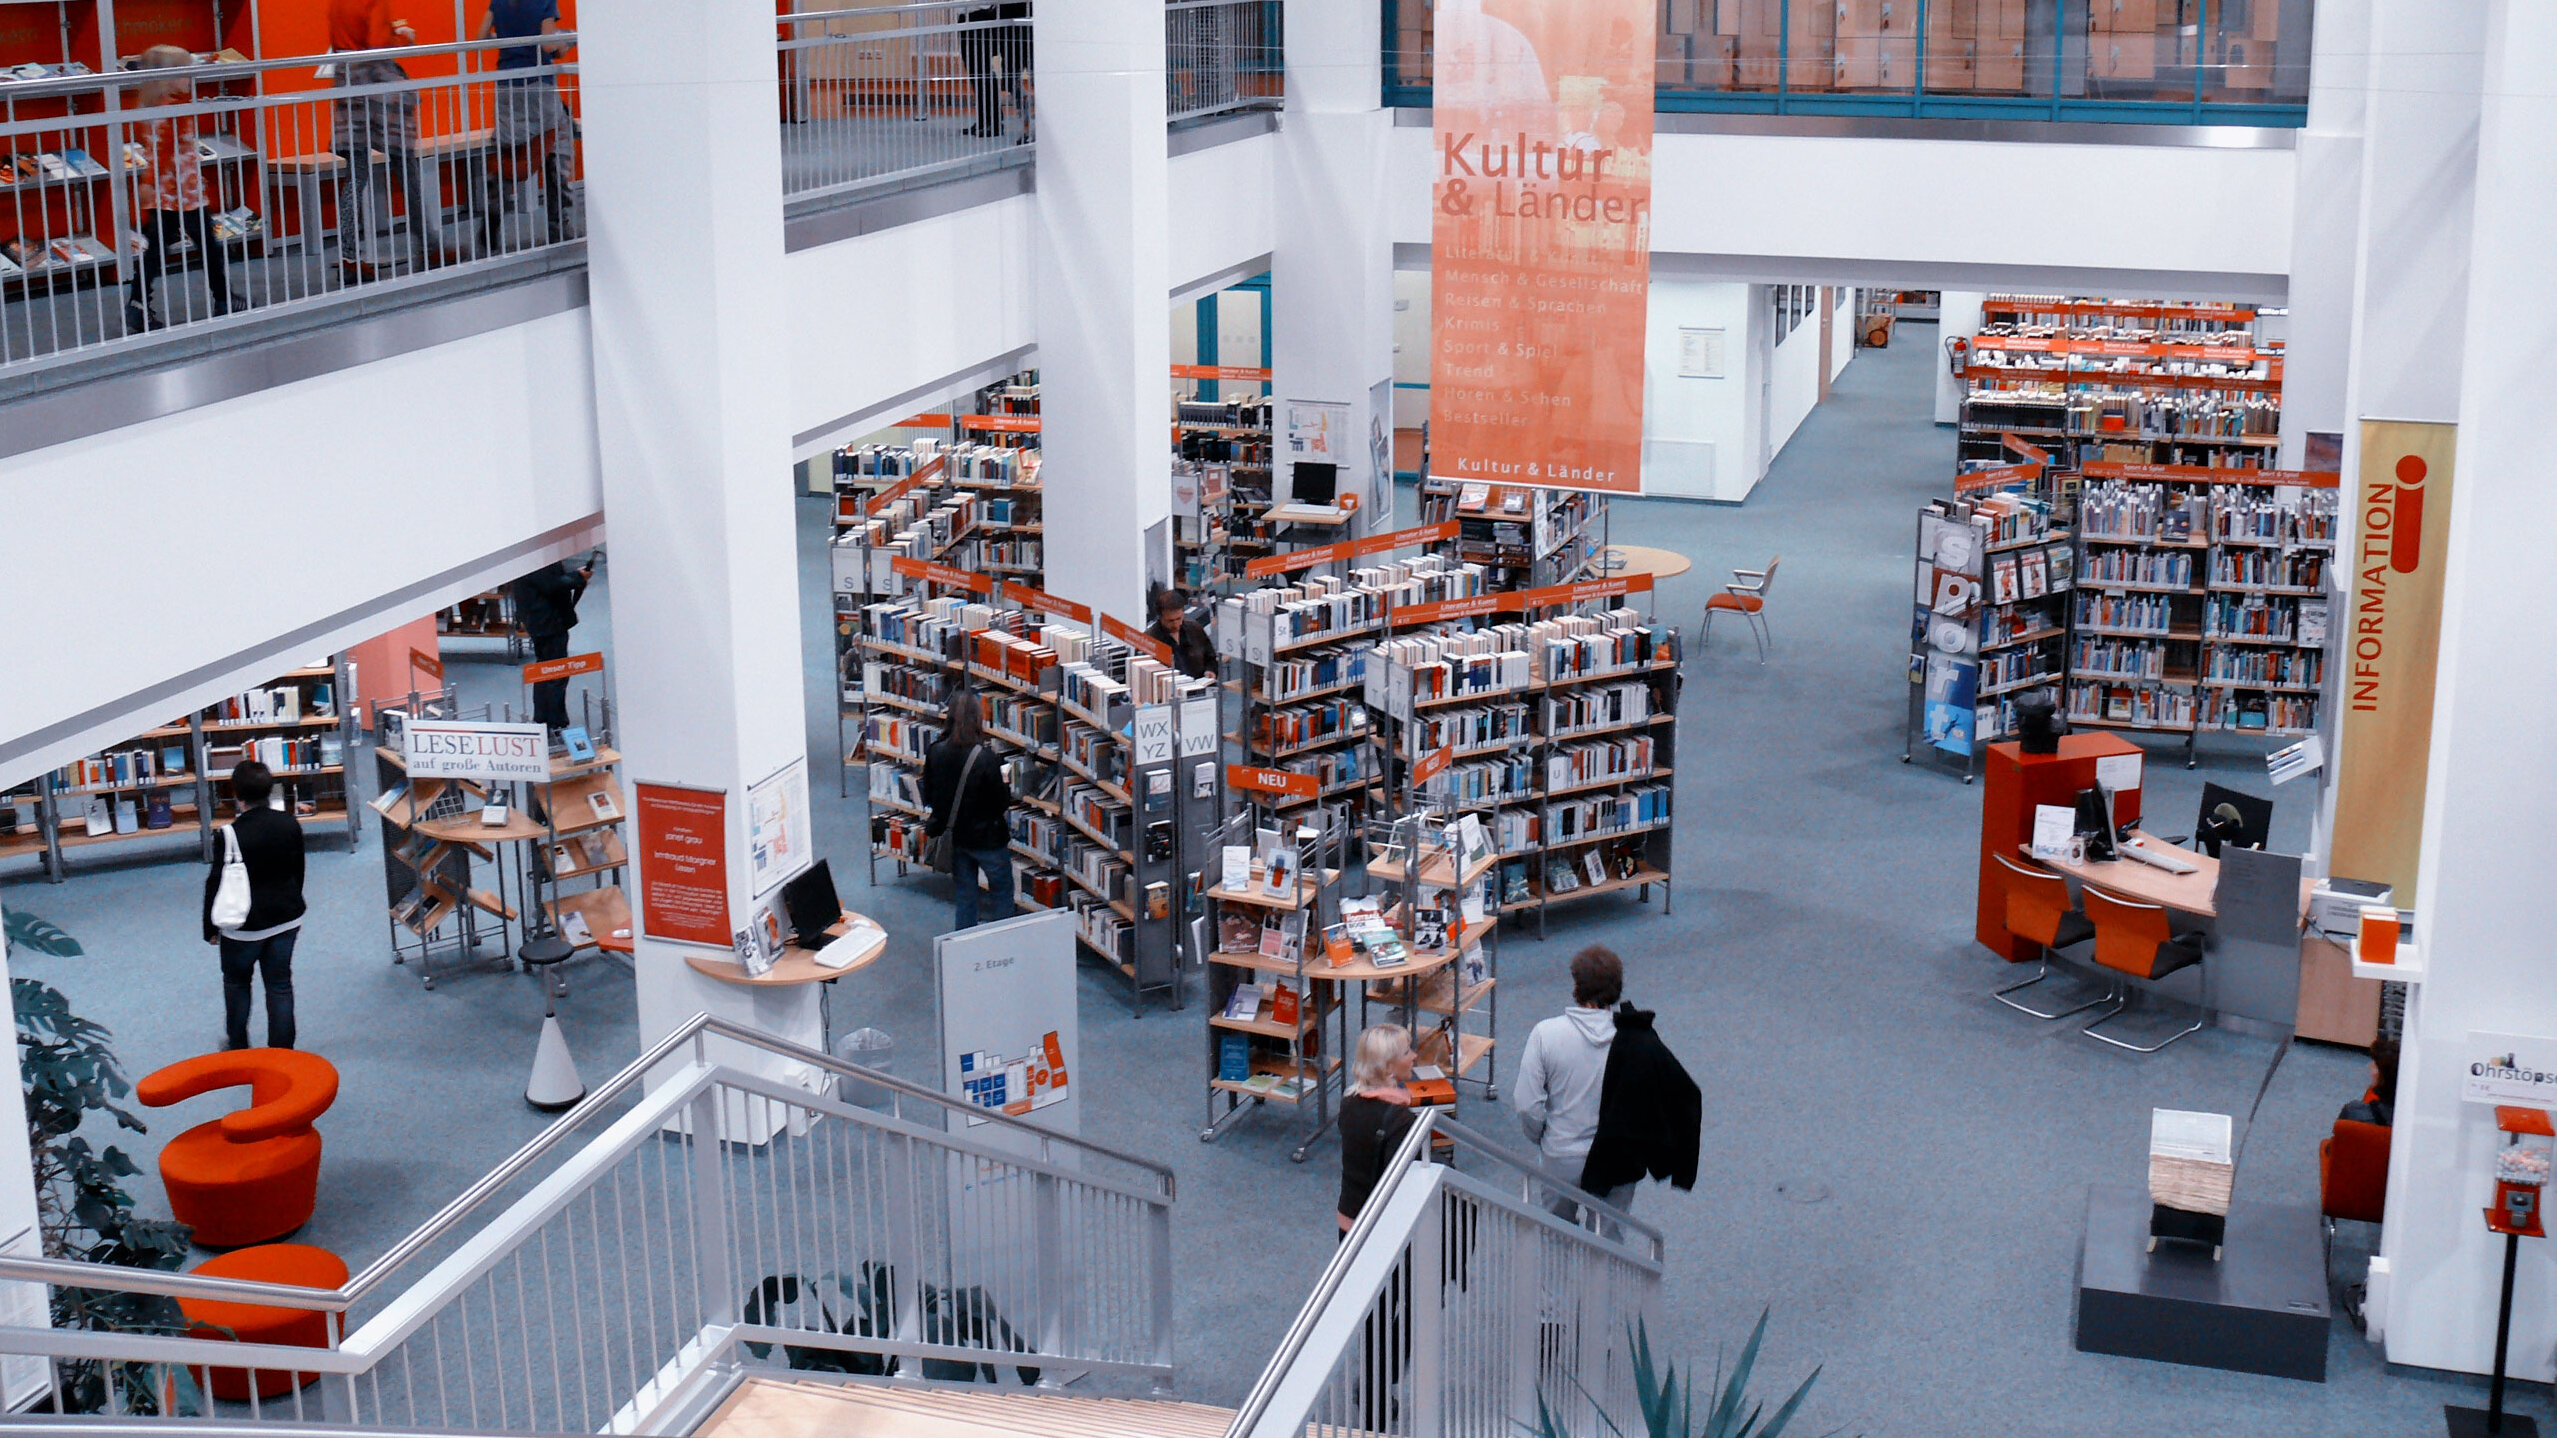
(298, 724)
(1526, 538)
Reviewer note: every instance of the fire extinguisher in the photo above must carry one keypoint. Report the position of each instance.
(1958, 352)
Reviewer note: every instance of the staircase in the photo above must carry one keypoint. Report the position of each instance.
(776, 1408)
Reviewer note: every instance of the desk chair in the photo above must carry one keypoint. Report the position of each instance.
(2039, 909)
(2135, 939)
(2352, 1177)
(1746, 596)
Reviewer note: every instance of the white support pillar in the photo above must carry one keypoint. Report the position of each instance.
(2492, 780)
(2324, 228)
(1332, 273)
(1104, 287)
(689, 336)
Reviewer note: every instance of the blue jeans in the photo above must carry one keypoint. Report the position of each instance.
(965, 865)
(274, 957)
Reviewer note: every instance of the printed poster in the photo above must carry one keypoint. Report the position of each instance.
(777, 844)
(2390, 632)
(1540, 259)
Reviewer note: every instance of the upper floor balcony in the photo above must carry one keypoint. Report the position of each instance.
(2153, 62)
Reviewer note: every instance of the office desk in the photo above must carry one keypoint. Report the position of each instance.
(2254, 902)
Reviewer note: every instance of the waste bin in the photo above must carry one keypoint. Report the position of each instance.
(872, 1050)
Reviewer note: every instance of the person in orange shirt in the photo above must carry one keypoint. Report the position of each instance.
(383, 124)
(168, 192)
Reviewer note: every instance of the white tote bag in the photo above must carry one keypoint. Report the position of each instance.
(231, 900)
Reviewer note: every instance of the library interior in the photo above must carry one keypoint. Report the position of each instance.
(746, 575)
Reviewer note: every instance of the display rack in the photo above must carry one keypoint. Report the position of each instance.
(1445, 910)
(1990, 612)
(1277, 1053)
(2121, 381)
(432, 837)
(160, 782)
(581, 858)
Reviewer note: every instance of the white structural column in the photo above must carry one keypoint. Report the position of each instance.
(2324, 230)
(2487, 867)
(1104, 291)
(1332, 273)
(690, 392)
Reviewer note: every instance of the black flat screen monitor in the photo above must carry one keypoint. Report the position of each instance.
(2252, 827)
(1312, 482)
(810, 902)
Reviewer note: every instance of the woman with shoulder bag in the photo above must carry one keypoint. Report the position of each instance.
(967, 832)
(253, 907)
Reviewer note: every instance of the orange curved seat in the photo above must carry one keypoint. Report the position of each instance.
(251, 1175)
(298, 1264)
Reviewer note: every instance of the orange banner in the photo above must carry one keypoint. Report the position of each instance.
(1046, 603)
(1540, 242)
(1136, 639)
(1285, 782)
(545, 669)
(1244, 373)
(2387, 637)
(931, 573)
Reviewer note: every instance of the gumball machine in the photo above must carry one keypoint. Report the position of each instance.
(2521, 1175)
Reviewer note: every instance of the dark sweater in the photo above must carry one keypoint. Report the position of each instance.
(1194, 653)
(1371, 1129)
(546, 599)
(271, 847)
(980, 821)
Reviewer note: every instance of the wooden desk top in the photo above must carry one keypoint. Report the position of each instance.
(1643, 559)
(796, 965)
(2187, 893)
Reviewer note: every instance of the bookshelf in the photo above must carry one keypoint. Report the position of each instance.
(160, 782)
(1990, 613)
(2121, 381)
(1525, 538)
(1437, 873)
(1271, 985)
(1220, 486)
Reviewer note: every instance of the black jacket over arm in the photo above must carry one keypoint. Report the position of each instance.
(1650, 1114)
(271, 847)
(980, 815)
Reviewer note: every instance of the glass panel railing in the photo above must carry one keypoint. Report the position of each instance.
(2144, 61)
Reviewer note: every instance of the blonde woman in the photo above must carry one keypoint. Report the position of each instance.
(1376, 1115)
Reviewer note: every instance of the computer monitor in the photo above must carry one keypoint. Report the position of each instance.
(1314, 482)
(2248, 824)
(2095, 823)
(810, 902)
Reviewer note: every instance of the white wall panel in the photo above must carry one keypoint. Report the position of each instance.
(1223, 199)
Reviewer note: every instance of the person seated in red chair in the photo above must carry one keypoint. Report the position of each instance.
(2378, 1104)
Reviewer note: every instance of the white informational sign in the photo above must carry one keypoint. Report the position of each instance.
(1699, 353)
(2509, 1069)
(2117, 773)
(777, 842)
(1198, 726)
(1009, 1037)
(2292, 760)
(1150, 735)
(487, 753)
(2054, 827)
(1317, 431)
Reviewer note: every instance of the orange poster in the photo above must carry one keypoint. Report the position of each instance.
(1540, 244)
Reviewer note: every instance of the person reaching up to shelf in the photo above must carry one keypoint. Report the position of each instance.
(1375, 1115)
(546, 605)
(168, 193)
(967, 798)
(267, 841)
(1193, 653)
(1561, 1074)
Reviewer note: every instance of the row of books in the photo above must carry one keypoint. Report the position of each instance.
(2270, 712)
(1097, 812)
(2290, 515)
(1100, 755)
(1001, 556)
(1299, 675)
(904, 681)
(1584, 646)
(1420, 668)
(1600, 706)
(1333, 768)
(2149, 613)
(2110, 564)
(894, 786)
(1101, 926)
(1031, 720)
(2015, 666)
(2168, 415)
(1317, 606)
(2267, 617)
(1100, 869)
(1571, 765)
(897, 836)
(2132, 704)
(125, 768)
(2252, 664)
(2123, 658)
(894, 734)
(281, 704)
(2031, 573)
(1036, 832)
(2125, 509)
(1483, 783)
(1465, 728)
(279, 754)
(1520, 883)
(1574, 821)
(1298, 725)
(2270, 568)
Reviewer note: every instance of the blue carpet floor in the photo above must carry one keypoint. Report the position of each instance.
(1818, 978)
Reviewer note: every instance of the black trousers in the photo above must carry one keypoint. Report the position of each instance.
(550, 697)
(977, 51)
(164, 229)
(270, 958)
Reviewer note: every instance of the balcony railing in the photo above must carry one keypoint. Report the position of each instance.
(180, 198)
(878, 97)
(2166, 62)
(1220, 56)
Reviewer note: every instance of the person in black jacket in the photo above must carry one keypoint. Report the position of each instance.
(546, 605)
(270, 842)
(980, 834)
(977, 46)
(1650, 1113)
(1193, 653)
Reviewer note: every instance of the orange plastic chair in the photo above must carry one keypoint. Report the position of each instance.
(297, 1264)
(2133, 938)
(2352, 1175)
(2039, 909)
(254, 1175)
(1746, 596)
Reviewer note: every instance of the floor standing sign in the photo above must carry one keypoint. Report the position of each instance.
(1540, 242)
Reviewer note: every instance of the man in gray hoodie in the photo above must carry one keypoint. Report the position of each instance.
(1564, 1067)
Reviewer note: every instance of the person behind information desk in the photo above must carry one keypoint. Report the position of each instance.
(546, 606)
(2378, 1104)
(1375, 1115)
(1193, 653)
(1562, 1071)
(270, 841)
(980, 831)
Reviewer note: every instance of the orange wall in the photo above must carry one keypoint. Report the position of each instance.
(381, 664)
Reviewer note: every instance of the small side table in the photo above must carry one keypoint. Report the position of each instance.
(796, 966)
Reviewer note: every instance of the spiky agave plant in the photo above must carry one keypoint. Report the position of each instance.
(1668, 1401)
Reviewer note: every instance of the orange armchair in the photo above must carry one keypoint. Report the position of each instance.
(254, 1175)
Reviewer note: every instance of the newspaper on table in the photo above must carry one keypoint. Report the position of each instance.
(2189, 1160)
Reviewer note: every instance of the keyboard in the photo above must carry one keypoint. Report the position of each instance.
(2159, 858)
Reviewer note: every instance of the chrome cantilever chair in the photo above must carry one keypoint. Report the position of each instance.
(1746, 596)
(2134, 939)
(2039, 909)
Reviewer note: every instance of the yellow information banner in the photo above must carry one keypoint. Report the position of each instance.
(2388, 641)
